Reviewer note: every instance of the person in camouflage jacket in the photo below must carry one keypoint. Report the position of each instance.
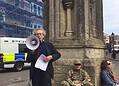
(77, 77)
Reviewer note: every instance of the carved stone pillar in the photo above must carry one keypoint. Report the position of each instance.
(68, 5)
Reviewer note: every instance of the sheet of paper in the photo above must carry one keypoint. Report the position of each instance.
(40, 63)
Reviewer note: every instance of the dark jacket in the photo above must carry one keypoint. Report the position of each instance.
(45, 48)
(107, 79)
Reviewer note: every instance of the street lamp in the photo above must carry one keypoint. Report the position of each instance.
(113, 51)
(112, 40)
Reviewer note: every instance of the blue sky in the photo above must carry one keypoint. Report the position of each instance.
(111, 16)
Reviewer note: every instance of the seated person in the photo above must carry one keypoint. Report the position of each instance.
(77, 77)
(107, 76)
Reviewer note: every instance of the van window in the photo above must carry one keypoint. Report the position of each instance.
(22, 48)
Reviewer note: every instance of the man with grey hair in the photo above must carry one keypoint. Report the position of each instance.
(38, 76)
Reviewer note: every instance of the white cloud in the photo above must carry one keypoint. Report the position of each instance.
(111, 16)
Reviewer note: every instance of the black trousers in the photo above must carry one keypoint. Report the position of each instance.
(41, 78)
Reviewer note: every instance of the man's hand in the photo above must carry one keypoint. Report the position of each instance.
(48, 58)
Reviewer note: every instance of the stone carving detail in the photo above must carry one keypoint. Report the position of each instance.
(68, 5)
(99, 19)
(80, 18)
(92, 17)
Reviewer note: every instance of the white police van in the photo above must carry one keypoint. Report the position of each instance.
(12, 53)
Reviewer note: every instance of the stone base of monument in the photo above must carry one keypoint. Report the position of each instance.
(91, 62)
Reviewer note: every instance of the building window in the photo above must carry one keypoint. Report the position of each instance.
(35, 26)
(39, 26)
(27, 6)
(16, 2)
(12, 2)
(32, 8)
(2, 17)
(24, 4)
(28, 23)
(35, 8)
(40, 11)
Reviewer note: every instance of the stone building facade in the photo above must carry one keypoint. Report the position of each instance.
(75, 27)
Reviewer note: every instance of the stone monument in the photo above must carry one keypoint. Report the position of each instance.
(75, 27)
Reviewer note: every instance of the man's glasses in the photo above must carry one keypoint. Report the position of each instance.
(39, 34)
(77, 64)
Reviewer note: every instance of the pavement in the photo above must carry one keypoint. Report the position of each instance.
(9, 77)
(18, 82)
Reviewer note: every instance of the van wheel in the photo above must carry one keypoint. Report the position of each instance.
(19, 66)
